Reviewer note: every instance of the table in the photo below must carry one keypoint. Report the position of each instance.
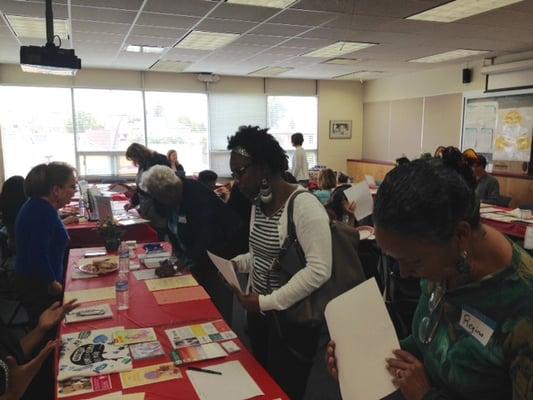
(83, 234)
(145, 312)
(515, 229)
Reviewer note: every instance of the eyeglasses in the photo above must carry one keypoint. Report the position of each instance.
(429, 324)
(240, 172)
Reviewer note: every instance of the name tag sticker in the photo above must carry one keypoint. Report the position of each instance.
(182, 219)
(477, 325)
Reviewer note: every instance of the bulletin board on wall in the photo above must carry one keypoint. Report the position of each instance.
(501, 128)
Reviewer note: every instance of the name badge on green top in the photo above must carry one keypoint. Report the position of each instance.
(182, 219)
(477, 325)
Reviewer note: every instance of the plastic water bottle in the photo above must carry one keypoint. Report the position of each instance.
(123, 258)
(121, 289)
(81, 210)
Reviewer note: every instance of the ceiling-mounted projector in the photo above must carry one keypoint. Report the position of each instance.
(49, 59)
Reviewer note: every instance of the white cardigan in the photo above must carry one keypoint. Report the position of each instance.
(314, 236)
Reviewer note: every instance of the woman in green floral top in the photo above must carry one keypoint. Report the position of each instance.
(472, 332)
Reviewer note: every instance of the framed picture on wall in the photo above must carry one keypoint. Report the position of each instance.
(340, 129)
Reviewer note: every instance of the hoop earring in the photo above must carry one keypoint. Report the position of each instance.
(265, 192)
(462, 265)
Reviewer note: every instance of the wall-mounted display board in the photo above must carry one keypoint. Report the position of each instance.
(501, 128)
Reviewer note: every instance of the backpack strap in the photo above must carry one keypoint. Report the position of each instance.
(291, 228)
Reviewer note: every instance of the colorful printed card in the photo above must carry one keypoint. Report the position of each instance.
(201, 352)
(141, 351)
(131, 336)
(100, 311)
(80, 385)
(148, 375)
(88, 295)
(193, 335)
(171, 283)
(91, 353)
(180, 295)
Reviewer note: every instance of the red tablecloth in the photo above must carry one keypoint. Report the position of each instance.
(84, 234)
(145, 312)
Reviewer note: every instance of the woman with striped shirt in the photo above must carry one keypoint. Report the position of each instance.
(257, 163)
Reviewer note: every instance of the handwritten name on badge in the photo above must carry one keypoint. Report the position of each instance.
(477, 325)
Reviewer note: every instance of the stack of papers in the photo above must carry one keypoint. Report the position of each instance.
(173, 282)
(88, 295)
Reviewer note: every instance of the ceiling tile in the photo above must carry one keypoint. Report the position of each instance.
(136, 60)
(338, 6)
(243, 12)
(102, 15)
(167, 20)
(260, 40)
(280, 30)
(158, 32)
(27, 9)
(90, 26)
(224, 26)
(307, 43)
(97, 37)
(132, 5)
(186, 54)
(150, 40)
(301, 17)
(189, 7)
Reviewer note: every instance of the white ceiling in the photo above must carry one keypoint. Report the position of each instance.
(272, 37)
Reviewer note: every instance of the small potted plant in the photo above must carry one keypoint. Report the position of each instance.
(111, 233)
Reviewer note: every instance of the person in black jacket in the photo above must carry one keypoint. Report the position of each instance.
(144, 158)
(198, 220)
(11, 200)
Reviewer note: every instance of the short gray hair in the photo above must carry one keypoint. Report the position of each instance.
(158, 180)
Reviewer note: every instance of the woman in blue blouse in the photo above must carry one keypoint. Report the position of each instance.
(41, 238)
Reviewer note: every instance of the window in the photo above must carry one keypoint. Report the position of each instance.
(227, 112)
(291, 114)
(179, 121)
(36, 127)
(107, 122)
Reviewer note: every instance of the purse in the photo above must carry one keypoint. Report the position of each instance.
(346, 269)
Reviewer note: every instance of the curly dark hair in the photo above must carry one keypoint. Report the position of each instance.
(426, 199)
(263, 148)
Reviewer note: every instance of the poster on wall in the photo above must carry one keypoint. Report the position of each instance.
(480, 122)
(512, 141)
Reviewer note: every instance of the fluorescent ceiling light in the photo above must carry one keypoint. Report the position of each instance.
(264, 3)
(170, 66)
(460, 9)
(33, 27)
(449, 55)
(342, 61)
(358, 75)
(338, 49)
(132, 48)
(44, 69)
(270, 71)
(199, 40)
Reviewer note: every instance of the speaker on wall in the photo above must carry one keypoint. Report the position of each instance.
(467, 75)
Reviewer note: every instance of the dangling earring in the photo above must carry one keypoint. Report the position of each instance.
(265, 192)
(462, 265)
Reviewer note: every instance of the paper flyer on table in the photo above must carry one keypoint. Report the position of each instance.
(226, 269)
(364, 337)
(234, 384)
(100, 311)
(132, 336)
(170, 283)
(83, 385)
(120, 396)
(144, 274)
(180, 295)
(364, 204)
(148, 375)
(88, 295)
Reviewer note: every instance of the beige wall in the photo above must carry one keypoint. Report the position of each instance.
(433, 82)
(339, 100)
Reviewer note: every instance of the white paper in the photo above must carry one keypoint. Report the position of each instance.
(145, 274)
(360, 193)
(234, 384)
(528, 238)
(226, 269)
(370, 181)
(364, 337)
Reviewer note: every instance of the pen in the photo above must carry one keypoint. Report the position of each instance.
(207, 371)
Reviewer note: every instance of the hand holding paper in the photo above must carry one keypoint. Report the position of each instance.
(360, 194)
(226, 269)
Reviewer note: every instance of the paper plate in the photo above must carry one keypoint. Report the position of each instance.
(99, 266)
